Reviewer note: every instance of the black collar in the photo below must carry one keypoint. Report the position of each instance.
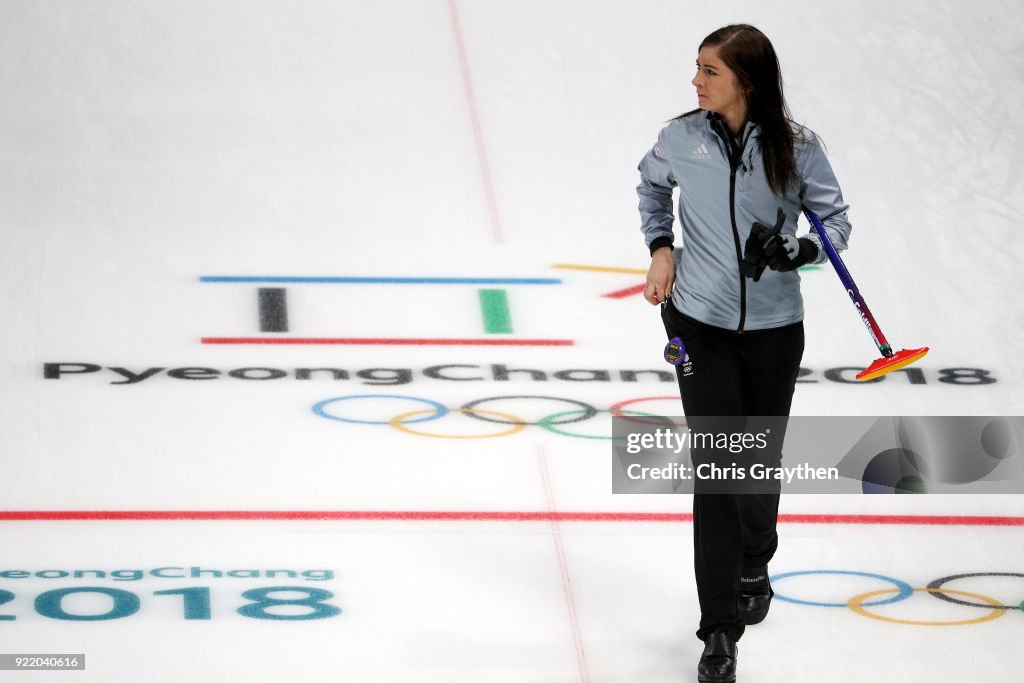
(733, 145)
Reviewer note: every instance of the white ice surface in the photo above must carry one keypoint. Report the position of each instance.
(143, 145)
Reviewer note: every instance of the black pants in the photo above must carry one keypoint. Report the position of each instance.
(732, 374)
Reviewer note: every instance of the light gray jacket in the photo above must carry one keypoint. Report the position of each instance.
(717, 205)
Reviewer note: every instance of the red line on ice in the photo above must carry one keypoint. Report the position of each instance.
(372, 341)
(563, 568)
(474, 117)
(480, 516)
(623, 293)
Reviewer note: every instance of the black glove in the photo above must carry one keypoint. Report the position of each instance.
(754, 255)
(786, 252)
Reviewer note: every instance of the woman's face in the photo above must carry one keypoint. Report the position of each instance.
(718, 89)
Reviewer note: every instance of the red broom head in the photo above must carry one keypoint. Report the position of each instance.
(898, 360)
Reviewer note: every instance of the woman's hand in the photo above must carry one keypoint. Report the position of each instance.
(660, 277)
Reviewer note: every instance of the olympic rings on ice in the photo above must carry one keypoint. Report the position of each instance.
(856, 605)
(549, 422)
(588, 411)
(903, 590)
(941, 594)
(440, 410)
(397, 423)
(335, 409)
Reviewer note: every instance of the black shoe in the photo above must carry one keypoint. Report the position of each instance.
(754, 598)
(753, 607)
(718, 663)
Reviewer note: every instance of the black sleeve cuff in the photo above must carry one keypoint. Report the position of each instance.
(808, 252)
(659, 242)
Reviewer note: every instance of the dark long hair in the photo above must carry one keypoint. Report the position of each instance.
(750, 55)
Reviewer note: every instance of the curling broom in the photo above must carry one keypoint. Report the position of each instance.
(889, 361)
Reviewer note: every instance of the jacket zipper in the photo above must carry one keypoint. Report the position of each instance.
(739, 252)
(735, 158)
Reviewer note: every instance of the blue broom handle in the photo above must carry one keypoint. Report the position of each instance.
(851, 286)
